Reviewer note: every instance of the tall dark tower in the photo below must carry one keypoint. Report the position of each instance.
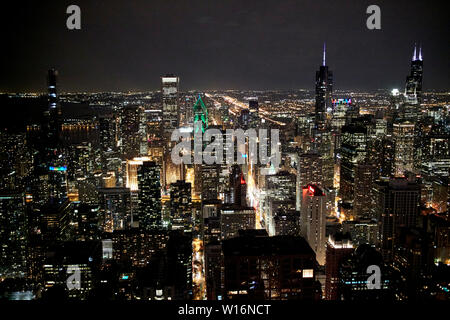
(50, 163)
(324, 88)
(52, 115)
(413, 90)
(150, 217)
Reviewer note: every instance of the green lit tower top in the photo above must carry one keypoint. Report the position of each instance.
(201, 113)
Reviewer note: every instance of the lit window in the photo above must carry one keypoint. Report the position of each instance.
(308, 273)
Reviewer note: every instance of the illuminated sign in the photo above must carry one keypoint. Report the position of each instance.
(62, 168)
(341, 101)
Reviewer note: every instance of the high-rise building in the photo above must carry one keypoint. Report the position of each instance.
(200, 114)
(324, 88)
(115, 207)
(403, 137)
(363, 199)
(181, 206)
(397, 205)
(150, 207)
(269, 268)
(309, 169)
(339, 246)
(313, 219)
(287, 222)
(413, 89)
(169, 89)
(13, 235)
(353, 151)
(234, 218)
(253, 107)
(353, 276)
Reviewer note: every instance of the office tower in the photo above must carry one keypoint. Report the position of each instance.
(200, 114)
(181, 206)
(432, 149)
(271, 268)
(244, 119)
(56, 221)
(362, 231)
(413, 257)
(287, 222)
(238, 186)
(66, 260)
(313, 219)
(143, 134)
(129, 132)
(413, 88)
(339, 247)
(150, 215)
(309, 169)
(253, 107)
(210, 176)
(353, 151)
(50, 165)
(403, 139)
(363, 199)
(234, 218)
(87, 219)
(13, 234)
(213, 272)
(381, 151)
(397, 205)
(137, 247)
(169, 90)
(107, 127)
(179, 267)
(353, 277)
(53, 114)
(115, 207)
(324, 88)
(281, 192)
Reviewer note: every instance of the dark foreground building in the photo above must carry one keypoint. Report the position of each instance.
(272, 268)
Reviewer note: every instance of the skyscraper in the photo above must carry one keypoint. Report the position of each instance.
(339, 246)
(181, 205)
(200, 113)
(413, 89)
(150, 216)
(324, 88)
(403, 137)
(397, 205)
(313, 219)
(170, 109)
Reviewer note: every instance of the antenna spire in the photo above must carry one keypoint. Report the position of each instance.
(324, 54)
(415, 52)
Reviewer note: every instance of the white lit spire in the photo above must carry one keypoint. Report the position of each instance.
(324, 54)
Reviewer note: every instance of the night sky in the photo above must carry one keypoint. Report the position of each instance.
(221, 44)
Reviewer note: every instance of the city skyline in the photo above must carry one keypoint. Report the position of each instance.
(232, 197)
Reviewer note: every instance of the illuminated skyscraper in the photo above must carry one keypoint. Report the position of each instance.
(413, 89)
(403, 137)
(170, 109)
(324, 88)
(181, 206)
(201, 113)
(149, 185)
(313, 219)
(12, 234)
